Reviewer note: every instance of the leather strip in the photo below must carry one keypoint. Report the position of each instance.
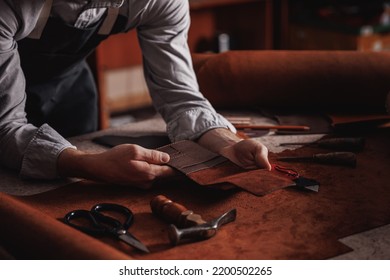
(41, 22)
(188, 157)
(109, 21)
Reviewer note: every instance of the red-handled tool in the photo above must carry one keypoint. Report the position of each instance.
(300, 181)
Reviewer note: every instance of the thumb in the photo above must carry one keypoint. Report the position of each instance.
(152, 156)
(261, 159)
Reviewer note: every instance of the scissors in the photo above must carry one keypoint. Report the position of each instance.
(100, 224)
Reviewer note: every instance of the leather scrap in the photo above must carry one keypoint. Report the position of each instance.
(211, 169)
(187, 156)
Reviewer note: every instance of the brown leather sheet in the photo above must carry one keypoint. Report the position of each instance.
(285, 224)
(314, 80)
(212, 170)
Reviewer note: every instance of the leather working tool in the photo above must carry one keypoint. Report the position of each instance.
(185, 224)
(300, 181)
(174, 213)
(95, 223)
(344, 144)
(203, 231)
(336, 158)
(273, 127)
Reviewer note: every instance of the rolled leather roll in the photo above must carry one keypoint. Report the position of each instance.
(28, 233)
(329, 80)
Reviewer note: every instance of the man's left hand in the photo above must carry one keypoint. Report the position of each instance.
(249, 153)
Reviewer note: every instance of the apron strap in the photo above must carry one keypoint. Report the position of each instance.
(105, 29)
(41, 22)
(109, 21)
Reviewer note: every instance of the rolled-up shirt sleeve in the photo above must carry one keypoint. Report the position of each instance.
(30, 150)
(162, 31)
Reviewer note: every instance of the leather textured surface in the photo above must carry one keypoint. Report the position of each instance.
(188, 157)
(210, 169)
(315, 80)
(285, 224)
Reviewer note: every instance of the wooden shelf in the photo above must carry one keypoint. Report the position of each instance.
(303, 37)
(330, 25)
(249, 24)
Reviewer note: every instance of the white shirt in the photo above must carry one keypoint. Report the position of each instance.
(84, 13)
(162, 27)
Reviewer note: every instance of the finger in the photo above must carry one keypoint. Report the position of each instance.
(162, 171)
(150, 173)
(151, 156)
(261, 158)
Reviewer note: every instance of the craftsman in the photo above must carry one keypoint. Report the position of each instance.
(47, 91)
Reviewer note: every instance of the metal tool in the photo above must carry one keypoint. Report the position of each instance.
(336, 158)
(185, 224)
(344, 144)
(203, 231)
(95, 223)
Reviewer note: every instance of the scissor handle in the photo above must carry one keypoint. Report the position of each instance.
(126, 212)
(93, 228)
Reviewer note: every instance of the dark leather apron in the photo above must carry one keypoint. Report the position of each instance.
(60, 88)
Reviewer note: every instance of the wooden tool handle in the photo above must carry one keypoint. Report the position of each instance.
(174, 213)
(347, 144)
(273, 127)
(338, 158)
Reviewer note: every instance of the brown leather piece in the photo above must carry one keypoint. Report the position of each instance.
(210, 169)
(258, 182)
(318, 80)
(187, 156)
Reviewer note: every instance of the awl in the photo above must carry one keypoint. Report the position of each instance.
(336, 158)
(344, 144)
(185, 223)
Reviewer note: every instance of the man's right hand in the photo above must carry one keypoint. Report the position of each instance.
(124, 164)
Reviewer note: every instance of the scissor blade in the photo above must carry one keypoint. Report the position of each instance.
(131, 240)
